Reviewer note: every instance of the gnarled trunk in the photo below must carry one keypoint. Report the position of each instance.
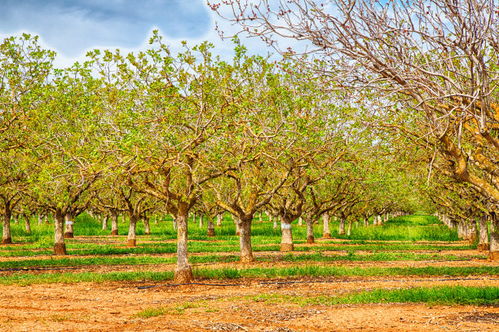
(483, 238)
(59, 245)
(286, 235)
(114, 223)
(310, 230)
(211, 227)
(6, 234)
(183, 271)
(326, 233)
(132, 231)
(69, 226)
(245, 240)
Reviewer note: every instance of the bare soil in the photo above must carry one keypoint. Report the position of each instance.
(114, 307)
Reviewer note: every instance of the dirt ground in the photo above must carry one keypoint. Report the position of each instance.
(114, 307)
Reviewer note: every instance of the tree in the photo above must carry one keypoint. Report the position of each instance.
(432, 63)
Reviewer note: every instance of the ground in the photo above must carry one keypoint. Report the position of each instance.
(242, 306)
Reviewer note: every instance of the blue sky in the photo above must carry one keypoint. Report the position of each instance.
(73, 26)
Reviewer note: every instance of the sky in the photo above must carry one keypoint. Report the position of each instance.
(71, 27)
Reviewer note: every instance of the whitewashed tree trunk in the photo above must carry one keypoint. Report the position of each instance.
(201, 221)
(114, 223)
(104, 222)
(147, 226)
(27, 224)
(59, 245)
(183, 271)
(68, 218)
(349, 228)
(341, 226)
(211, 227)
(237, 222)
(310, 230)
(274, 219)
(483, 238)
(326, 233)
(219, 219)
(286, 235)
(132, 234)
(245, 240)
(300, 221)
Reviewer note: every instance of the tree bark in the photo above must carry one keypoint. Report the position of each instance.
(274, 220)
(6, 234)
(104, 222)
(40, 219)
(114, 222)
(310, 230)
(69, 234)
(219, 219)
(349, 228)
(300, 221)
(341, 226)
(147, 226)
(483, 239)
(494, 238)
(237, 223)
(132, 234)
(211, 227)
(27, 224)
(59, 245)
(183, 271)
(245, 240)
(286, 235)
(326, 233)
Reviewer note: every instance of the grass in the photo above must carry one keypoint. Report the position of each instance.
(256, 273)
(446, 295)
(140, 260)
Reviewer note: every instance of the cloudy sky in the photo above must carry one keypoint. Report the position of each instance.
(73, 26)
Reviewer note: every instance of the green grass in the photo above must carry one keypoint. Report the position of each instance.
(446, 295)
(257, 273)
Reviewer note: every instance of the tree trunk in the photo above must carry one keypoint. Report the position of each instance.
(27, 224)
(219, 219)
(366, 222)
(286, 235)
(147, 226)
(201, 221)
(483, 239)
(104, 222)
(69, 234)
(494, 237)
(114, 222)
(300, 221)
(40, 219)
(245, 240)
(6, 234)
(211, 227)
(326, 233)
(132, 234)
(274, 219)
(310, 230)
(341, 226)
(237, 222)
(349, 228)
(59, 245)
(183, 271)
